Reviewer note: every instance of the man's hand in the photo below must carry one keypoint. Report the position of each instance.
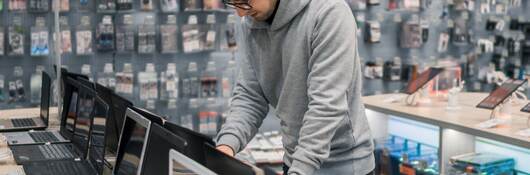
(226, 149)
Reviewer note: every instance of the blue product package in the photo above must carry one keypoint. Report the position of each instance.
(484, 163)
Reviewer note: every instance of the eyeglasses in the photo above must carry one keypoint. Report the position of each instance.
(238, 4)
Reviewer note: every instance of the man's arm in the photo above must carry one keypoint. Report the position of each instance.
(331, 69)
(247, 110)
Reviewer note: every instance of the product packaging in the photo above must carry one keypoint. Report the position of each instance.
(125, 80)
(212, 4)
(16, 37)
(190, 83)
(39, 6)
(16, 5)
(191, 5)
(66, 35)
(84, 37)
(209, 81)
(39, 38)
(106, 5)
(146, 5)
(125, 34)
(2, 87)
(168, 36)
(191, 37)
(228, 39)
(209, 33)
(105, 35)
(124, 5)
(169, 5)
(35, 85)
(107, 78)
(147, 36)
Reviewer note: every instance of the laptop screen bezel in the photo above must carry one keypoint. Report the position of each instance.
(93, 159)
(69, 88)
(139, 119)
(45, 101)
(83, 92)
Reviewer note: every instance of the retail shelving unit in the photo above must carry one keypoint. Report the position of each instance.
(453, 131)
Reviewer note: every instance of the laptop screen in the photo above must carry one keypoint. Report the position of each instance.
(132, 144)
(182, 165)
(45, 98)
(119, 106)
(71, 113)
(97, 138)
(158, 146)
(83, 122)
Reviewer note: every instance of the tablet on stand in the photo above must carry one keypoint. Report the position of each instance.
(416, 88)
(498, 102)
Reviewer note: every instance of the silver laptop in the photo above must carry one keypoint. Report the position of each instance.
(179, 164)
(132, 144)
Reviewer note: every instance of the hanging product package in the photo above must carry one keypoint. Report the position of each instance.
(64, 5)
(460, 32)
(17, 5)
(16, 37)
(169, 5)
(105, 35)
(125, 35)
(125, 80)
(84, 37)
(35, 85)
(66, 35)
(190, 82)
(39, 38)
(147, 36)
(16, 87)
(411, 36)
(191, 41)
(106, 5)
(212, 4)
(209, 34)
(228, 39)
(38, 5)
(124, 4)
(209, 81)
(168, 33)
(146, 5)
(191, 5)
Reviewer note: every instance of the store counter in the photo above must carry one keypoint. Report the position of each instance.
(456, 130)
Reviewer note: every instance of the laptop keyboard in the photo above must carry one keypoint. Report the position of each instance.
(41, 137)
(23, 122)
(64, 167)
(55, 151)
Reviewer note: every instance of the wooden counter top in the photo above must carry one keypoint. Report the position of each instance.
(464, 119)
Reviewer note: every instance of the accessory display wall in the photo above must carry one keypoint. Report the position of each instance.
(441, 17)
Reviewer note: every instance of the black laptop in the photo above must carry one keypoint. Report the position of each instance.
(41, 137)
(161, 141)
(93, 165)
(25, 123)
(80, 123)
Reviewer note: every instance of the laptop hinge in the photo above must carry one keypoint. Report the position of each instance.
(31, 130)
(47, 143)
(77, 159)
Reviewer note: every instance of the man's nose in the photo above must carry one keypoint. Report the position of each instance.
(241, 12)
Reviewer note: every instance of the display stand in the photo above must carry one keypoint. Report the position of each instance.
(417, 97)
(502, 113)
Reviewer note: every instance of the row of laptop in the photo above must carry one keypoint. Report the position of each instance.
(103, 133)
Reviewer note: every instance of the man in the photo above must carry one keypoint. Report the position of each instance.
(300, 57)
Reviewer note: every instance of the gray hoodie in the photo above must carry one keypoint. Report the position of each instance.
(305, 65)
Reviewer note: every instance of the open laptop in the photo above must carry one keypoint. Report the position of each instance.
(64, 134)
(182, 165)
(119, 106)
(81, 123)
(160, 142)
(221, 163)
(93, 165)
(28, 122)
(132, 145)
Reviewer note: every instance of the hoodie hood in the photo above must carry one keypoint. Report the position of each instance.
(287, 10)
